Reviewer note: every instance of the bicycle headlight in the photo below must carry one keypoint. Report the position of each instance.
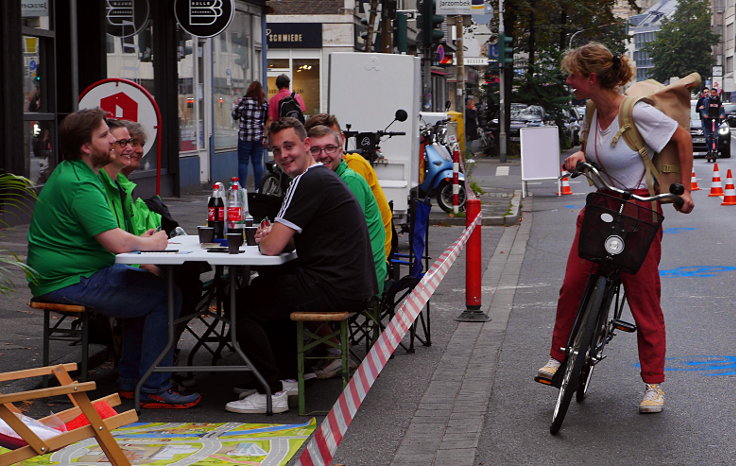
(724, 129)
(614, 245)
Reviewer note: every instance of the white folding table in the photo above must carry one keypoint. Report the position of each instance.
(186, 248)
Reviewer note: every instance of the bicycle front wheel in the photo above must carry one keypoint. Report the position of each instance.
(577, 353)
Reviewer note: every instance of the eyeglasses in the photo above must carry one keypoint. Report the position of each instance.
(124, 142)
(329, 150)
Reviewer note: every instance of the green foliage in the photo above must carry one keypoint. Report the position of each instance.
(15, 191)
(684, 43)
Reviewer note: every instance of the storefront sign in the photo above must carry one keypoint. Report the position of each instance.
(294, 35)
(124, 100)
(204, 18)
(34, 8)
(125, 18)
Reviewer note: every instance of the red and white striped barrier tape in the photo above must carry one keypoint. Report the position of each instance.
(323, 444)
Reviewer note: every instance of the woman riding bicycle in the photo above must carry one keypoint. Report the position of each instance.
(595, 73)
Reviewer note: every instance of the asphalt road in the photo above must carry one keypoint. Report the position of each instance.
(698, 272)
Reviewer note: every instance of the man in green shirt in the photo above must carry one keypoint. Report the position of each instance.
(324, 144)
(72, 242)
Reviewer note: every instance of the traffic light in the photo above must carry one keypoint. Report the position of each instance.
(429, 23)
(505, 51)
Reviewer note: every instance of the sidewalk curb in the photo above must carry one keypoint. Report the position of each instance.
(439, 218)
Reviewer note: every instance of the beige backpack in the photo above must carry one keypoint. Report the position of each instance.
(672, 100)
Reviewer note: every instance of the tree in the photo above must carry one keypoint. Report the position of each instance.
(684, 43)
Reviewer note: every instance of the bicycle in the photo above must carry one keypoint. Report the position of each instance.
(616, 234)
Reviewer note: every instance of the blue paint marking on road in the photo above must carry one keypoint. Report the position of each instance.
(676, 230)
(696, 271)
(712, 364)
(571, 206)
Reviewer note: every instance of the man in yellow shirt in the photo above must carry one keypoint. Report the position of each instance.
(360, 165)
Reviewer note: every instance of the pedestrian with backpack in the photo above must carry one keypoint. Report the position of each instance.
(597, 74)
(252, 111)
(285, 103)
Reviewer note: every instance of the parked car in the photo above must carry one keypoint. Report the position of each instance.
(572, 121)
(522, 116)
(700, 148)
(730, 109)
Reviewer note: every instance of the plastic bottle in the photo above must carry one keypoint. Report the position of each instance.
(216, 212)
(234, 208)
(243, 198)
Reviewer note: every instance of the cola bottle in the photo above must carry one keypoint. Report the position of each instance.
(216, 212)
(234, 208)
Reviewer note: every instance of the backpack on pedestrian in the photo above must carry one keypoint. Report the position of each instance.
(289, 107)
(673, 100)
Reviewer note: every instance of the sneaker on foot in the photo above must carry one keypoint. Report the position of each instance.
(550, 369)
(256, 404)
(653, 401)
(290, 386)
(170, 399)
(333, 368)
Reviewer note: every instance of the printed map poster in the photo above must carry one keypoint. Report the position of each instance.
(190, 444)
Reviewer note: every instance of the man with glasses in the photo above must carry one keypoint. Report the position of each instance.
(324, 145)
(72, 242)
(322, 220)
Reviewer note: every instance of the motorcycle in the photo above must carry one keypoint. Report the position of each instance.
(435, 171)
(368, 142)
(275, 181)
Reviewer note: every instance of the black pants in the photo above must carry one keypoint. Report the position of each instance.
(264, 330)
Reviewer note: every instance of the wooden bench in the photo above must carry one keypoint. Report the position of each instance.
(315, 340)
(56, 331)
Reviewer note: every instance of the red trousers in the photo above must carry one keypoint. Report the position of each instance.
(643, 291)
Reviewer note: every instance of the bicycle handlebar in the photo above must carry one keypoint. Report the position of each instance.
(588, 168)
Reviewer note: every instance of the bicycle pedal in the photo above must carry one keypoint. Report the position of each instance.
(623, 326)
(543, 380)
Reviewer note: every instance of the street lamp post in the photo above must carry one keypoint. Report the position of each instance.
(572, 37)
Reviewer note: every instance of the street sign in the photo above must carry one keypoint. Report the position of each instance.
(493, 51)
(718, 71)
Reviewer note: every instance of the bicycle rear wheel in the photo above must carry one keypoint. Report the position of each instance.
(577, 353)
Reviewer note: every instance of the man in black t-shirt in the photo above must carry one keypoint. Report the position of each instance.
(335, 272)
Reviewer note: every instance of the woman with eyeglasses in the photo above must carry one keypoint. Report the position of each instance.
(252, 111)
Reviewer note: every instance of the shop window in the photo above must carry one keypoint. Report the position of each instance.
(305, 81)
(233, 71)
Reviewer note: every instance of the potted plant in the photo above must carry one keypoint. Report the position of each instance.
(14, 194)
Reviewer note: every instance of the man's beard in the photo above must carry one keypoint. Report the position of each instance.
(100, 159)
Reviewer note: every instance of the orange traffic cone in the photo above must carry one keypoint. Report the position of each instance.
(694, 183)
(716, 189)
(565, 186)
(730, 196)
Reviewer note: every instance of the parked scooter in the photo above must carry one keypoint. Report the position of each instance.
(274, 181)
(435, 171)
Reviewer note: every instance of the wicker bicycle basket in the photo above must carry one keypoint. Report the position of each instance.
(629, 229)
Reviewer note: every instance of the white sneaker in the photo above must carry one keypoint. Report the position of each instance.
(653, 401)
(256, 404)
(290, 386)
(334, 368)
(550, 369)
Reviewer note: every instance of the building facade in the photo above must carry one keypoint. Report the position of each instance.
(55, 49)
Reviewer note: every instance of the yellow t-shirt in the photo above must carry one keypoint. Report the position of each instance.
(360, 165)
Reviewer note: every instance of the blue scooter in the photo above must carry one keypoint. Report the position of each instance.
(436, 173)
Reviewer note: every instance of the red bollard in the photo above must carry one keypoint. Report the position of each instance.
(473, 272)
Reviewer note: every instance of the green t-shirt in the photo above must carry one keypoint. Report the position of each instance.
(143, 218)
(120, 204)
(70, 211)
(360, 189)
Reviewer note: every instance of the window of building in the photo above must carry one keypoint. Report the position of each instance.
(304, 72)
(39, 103)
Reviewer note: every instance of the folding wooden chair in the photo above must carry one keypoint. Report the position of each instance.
(31, 444)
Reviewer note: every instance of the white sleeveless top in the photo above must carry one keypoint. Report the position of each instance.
(624, 166)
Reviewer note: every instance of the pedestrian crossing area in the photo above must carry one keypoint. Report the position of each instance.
(502, 170)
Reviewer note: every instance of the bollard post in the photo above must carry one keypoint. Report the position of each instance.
(473, 264)
(456, 180)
